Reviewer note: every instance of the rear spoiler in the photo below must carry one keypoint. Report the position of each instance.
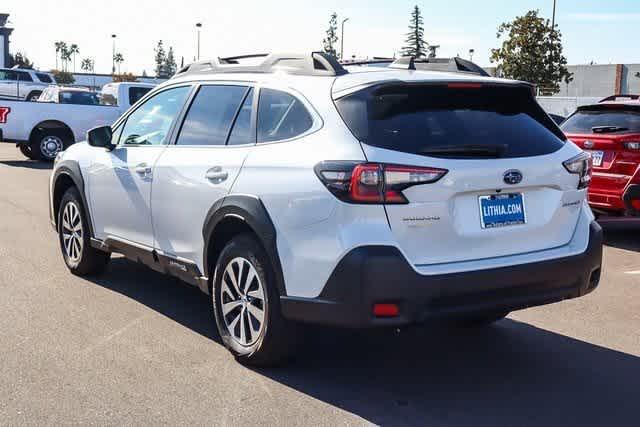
(620, 97)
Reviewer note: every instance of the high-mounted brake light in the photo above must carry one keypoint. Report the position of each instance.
(4, 113)
(580, 165)
(374, 183)
(464, 85)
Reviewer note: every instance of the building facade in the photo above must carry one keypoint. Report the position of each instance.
(5, 32)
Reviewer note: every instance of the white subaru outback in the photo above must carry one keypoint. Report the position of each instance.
(297, 191)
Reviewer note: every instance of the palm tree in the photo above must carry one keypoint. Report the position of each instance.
(118, 59)
(73, 50)
(87, 65)
(65, 56)
(60, 47)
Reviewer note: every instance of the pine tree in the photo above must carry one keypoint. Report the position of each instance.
(331, 40)
(160, 60)
(414, 43)
(170, 66)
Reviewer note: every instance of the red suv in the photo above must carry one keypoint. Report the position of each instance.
(610, 131)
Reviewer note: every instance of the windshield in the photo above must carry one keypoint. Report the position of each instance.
(601, 120)
(77, 97)
(449, 120)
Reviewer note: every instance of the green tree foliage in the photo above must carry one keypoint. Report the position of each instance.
(330, 42)
(124, 77)
(415, 45)
(160, 60)
(73, 51)
(21, 60)
(63, 77)
(170, 65)
(118, 58)
(87, 65)
(532, 51)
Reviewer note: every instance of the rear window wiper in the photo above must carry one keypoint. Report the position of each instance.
(466, 150)
(608, 129)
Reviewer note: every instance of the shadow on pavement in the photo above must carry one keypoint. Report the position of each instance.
(511, 373)
(27, 164)
(622, 234)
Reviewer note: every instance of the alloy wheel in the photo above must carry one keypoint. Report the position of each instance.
(243, 302)
(72, 232)
(50, 146)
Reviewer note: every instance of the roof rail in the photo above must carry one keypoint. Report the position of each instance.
(314, 64)
(629, 97)
(452, 65)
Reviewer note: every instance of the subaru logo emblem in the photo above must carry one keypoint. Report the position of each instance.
(512, 177)
(588, 144)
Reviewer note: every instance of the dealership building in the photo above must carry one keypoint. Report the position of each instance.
(5, 32)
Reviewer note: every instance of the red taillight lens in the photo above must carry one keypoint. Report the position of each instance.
(386, 310)
(4, 113)
(580, 165)
(373, 183)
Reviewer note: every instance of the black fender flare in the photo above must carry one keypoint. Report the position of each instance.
(252, 211)
(70, 168)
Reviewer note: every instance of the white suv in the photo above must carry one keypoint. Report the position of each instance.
(296, 190)
(23, 85)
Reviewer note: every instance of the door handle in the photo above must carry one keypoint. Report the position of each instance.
(216, 174)
(143, 169)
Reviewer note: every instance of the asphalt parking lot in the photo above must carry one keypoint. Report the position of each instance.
(135, 347)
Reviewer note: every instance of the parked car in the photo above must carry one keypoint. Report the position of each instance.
(300, 191)
(610, 131)
(22, 84)
(41, 130)
(70, 95)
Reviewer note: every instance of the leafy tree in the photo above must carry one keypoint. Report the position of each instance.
(118, 58)
(73, 51)
(63, 77)
(170, 66)
(160, 60)
(331, 40)
(20, 60)
(124, 77)
(532, 51)
(415, 45)
(87, 65)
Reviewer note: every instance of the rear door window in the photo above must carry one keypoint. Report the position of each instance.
(211, 115)
(44, 78)
(24, 77)
(603, 119)
(281, 116)
(470, 121)
(242, 132)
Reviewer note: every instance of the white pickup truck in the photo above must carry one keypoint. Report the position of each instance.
(42, 129)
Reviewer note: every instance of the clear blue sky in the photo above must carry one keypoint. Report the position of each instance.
(605, 31)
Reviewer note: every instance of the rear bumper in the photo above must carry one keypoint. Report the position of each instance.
(620, 204)
(380, 274)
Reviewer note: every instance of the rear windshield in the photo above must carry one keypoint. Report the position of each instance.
(603, 120)
(83, 98)
(44, 78)
(453, 122)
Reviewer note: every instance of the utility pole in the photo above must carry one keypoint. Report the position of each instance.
(553, 18)
(471, 52)
(198, 26)
(113, 54)
(342, 40)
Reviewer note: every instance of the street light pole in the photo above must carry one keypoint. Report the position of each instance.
(471, 52)
(198, 26)
(553, 18)
(113, 54)
(342, 40)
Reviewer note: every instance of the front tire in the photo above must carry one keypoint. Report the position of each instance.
(73, 232)
(246, 305)
(48, 143)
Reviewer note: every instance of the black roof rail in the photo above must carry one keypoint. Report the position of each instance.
(451, 65)
(313, 64)
(632, 97)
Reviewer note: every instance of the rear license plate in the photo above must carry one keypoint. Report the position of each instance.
(596, 157)
(501, 210)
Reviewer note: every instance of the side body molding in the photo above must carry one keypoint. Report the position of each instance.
(252, 212)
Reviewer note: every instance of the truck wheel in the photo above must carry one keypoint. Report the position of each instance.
(33, 96)
(47, 144)
(73, 231)
(246, 305)
(26, 151)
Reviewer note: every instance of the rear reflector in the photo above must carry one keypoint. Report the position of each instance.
(386, 310)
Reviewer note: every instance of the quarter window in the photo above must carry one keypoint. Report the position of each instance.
(281, 116)
(211, 115)
(150, 123)
(44, 78)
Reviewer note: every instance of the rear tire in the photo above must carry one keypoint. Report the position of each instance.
(73, 233)
(246, 305)
(26, 151)
(33, 96)
(46, 144)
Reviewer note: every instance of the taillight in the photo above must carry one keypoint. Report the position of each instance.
(580, 165)
(632, 145)
(373, 183)
(4, 113)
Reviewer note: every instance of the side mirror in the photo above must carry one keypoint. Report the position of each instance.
(100, 137)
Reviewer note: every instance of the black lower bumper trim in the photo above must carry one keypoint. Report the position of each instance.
(632, 193)
(380, 274)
